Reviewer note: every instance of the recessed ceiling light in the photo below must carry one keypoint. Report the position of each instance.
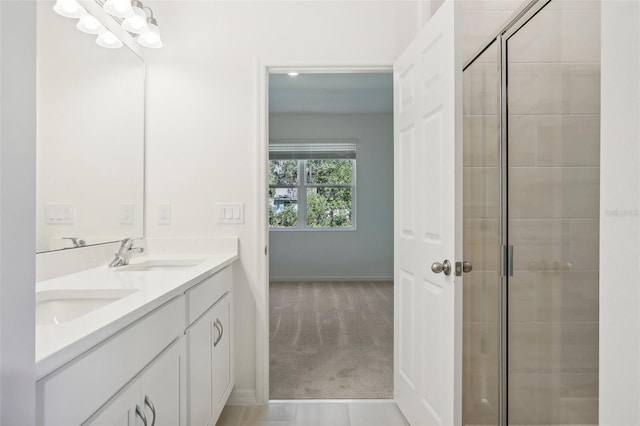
(293, 74)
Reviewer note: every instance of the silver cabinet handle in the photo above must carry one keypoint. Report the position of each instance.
(217, 339)
(438, 267)
(221, 328)
(149, 403)
(140, 413)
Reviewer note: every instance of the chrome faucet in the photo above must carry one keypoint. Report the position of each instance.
(126, 252)
(76, 241)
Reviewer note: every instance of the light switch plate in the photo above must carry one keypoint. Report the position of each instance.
(230, 213)
(61, 213)
(126, 214)
(164, 214)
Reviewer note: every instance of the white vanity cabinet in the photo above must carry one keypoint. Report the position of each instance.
(209, 343)
(173, 366)
(151, 399)
(103, 385)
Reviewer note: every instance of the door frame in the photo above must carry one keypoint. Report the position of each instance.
(263, 69)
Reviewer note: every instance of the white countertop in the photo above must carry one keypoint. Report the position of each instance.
(58, 344)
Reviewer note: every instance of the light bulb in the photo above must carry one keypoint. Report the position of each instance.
(293, 74)
(152, 38)
(109, 40)
(118, 8)
(137, 23)
(69, 9)
(90, 25)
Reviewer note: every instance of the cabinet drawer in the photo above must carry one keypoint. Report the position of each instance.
(201, 296)
(70, 395)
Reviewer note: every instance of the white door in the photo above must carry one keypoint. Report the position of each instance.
(428, 177)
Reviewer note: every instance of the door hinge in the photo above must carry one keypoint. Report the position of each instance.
(266, 250)
(506, 261)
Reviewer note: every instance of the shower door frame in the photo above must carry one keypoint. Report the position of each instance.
(520, 18)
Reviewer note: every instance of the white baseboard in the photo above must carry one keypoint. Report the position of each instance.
(243, 397)
(351, 278)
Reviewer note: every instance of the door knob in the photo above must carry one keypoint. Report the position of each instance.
(438, 267)
(461, 267)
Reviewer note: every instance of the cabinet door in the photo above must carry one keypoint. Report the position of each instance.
(120, 411)
(200, 343)
(221, 362)
(160, 386)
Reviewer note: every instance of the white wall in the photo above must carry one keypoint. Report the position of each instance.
(202, 115)
(620, 215)
(367, 252)
(17, 211)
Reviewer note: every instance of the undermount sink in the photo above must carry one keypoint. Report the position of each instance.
(60, 306)
(162, 265)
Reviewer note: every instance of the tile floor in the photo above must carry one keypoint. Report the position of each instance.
(313, 414)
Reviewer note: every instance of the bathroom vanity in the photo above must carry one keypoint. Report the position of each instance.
(146, 342)
(149, 343)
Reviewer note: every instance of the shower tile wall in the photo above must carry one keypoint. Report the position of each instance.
(481, 19)
(554, 158)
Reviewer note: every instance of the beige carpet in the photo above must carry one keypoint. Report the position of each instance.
(331, 340)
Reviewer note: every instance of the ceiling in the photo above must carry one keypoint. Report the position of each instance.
(344, 93)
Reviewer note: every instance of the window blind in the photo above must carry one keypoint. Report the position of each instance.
(312, 151)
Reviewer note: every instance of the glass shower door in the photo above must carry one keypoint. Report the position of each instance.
(481, 241)
(553, 75)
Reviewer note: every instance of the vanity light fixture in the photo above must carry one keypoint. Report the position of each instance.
(69, 9)
(131, 13)
(90, 25)
(109, 40)
(136, 24)
(293, 74)
(151, 38)
(119, 8)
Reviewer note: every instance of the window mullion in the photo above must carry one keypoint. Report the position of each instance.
(302, 194)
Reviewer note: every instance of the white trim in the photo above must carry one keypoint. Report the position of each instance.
(332, 401)
(263, 69)
(334, 278)
(243, 397)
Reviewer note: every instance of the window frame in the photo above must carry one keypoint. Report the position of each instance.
(302, 187)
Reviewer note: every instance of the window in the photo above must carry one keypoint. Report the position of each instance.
(312, 186)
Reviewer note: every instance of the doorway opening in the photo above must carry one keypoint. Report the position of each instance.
(330, 234)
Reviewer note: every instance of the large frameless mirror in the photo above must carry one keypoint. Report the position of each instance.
(90, 137)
